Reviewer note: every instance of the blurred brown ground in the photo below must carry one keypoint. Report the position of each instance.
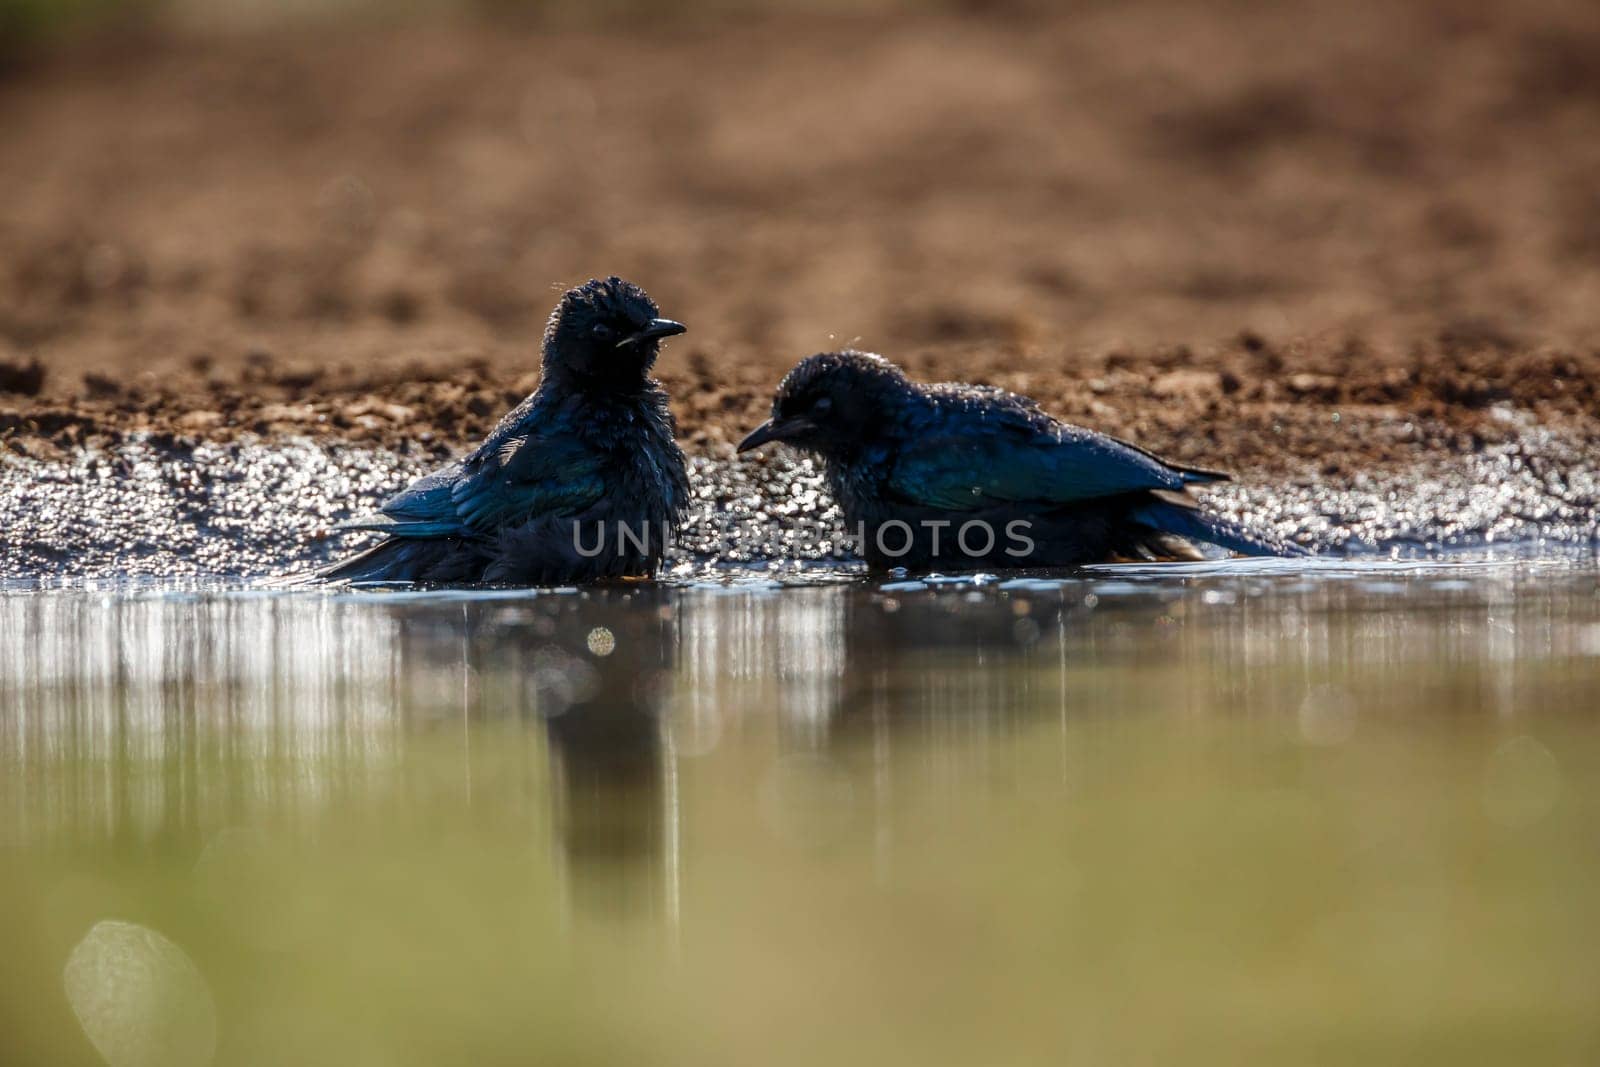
(1210, 226)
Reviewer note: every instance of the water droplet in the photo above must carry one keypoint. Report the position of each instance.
(140, 998)
(601, 641)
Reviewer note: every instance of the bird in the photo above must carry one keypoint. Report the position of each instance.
(955, 476)
(582, 481)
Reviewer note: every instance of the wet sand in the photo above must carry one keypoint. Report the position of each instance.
(1316, 247)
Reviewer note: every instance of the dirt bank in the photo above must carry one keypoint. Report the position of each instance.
(1275, 237)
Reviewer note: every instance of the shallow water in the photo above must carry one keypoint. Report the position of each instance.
(251, 508)
(1239, 812)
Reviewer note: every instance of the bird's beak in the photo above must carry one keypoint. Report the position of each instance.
(657, 329)
(772, 430)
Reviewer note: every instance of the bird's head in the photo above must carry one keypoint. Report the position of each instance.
(605, 335)
(831, 403)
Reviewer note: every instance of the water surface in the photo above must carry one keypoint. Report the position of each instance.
(1222, 813)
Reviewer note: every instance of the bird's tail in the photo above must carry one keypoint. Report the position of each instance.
(1172, 513)
(401, 559)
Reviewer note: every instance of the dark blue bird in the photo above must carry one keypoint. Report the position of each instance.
(957, 476)
(581, 481)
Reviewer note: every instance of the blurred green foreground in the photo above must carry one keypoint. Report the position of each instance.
(1215, 818)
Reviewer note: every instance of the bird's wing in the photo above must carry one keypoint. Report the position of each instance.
(997, 461)
(426, 501)
(422, 509)
(527, 474)
(531, 474)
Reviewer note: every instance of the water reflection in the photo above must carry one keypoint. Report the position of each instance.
(601, 686)
(173, 717)
(429, 796)
(162, 717)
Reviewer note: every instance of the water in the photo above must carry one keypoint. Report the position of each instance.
(245, 508)
(1223, 813)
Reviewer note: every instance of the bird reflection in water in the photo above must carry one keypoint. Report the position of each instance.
(594, 672)
(600, 682)
(907, 658)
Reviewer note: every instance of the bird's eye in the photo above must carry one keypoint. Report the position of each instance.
(822, 405)
(602, 332)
